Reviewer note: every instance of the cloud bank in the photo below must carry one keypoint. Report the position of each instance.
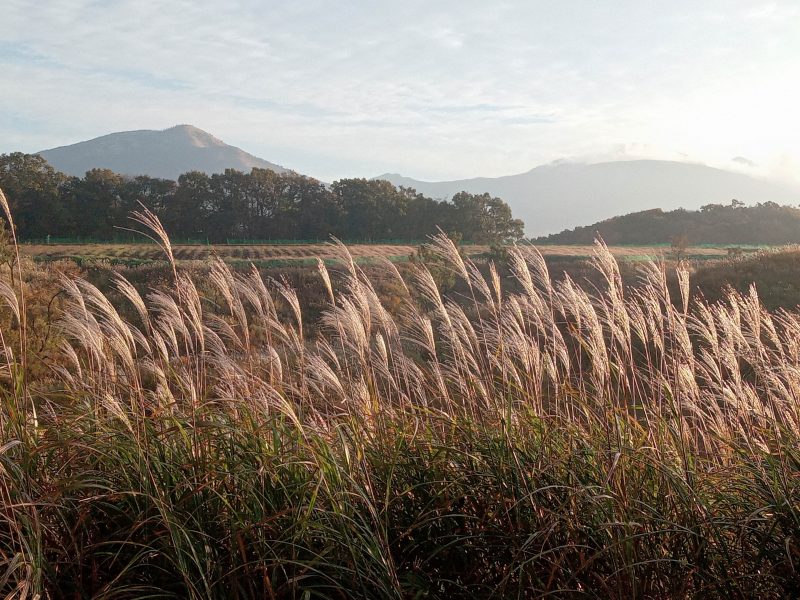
(444, 90)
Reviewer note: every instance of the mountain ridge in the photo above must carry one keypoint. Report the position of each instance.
(561, 195)
(550, 198)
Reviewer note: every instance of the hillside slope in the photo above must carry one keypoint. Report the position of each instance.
(166, 154)
(767, 223)
(562, 195)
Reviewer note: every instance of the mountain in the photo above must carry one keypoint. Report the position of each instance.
(166, 154)
(562, 195)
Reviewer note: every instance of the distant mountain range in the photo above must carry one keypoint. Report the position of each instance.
(562, 195)
(549, 198)
(166, 154)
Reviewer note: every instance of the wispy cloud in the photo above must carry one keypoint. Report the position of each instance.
(741, 160)
(433, 90)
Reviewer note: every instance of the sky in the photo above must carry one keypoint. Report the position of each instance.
(433, 90)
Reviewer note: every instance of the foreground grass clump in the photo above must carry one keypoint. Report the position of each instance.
(552, 441)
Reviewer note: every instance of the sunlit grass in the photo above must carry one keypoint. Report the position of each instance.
(551, 441)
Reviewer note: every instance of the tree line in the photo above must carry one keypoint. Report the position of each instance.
(734, 223)
(260, 205)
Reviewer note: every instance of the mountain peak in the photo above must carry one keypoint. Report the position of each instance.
(166, 153)
(194, 135)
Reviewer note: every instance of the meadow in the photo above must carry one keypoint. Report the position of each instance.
(508, 435)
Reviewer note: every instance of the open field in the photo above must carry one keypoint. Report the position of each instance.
(529, 438)
(266, 252)
(305, 252)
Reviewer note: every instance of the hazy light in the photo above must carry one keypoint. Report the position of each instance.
(444, 90)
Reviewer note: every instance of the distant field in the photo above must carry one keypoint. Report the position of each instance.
(266, 252)
(280, 253)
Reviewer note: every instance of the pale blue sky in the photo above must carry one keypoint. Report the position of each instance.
(432, 90)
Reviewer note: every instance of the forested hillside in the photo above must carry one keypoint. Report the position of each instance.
(260, 205)
(735, 223)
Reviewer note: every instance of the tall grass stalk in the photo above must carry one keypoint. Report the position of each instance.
(527, 438)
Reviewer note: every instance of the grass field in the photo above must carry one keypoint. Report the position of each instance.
(540, 440)
(515, 434)
(291, 253)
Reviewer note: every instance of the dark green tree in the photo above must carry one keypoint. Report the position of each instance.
(188, 213)
(33, 190)
(371, 209)
(96, 203)
(486, 219)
